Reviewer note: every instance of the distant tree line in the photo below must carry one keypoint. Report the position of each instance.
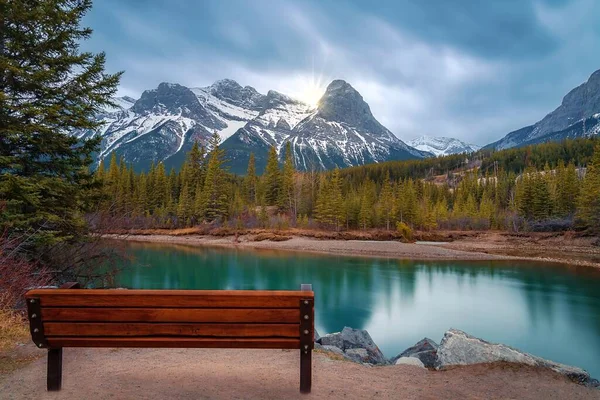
(542, 187)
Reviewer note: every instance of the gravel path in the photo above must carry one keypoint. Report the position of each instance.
(95, 374)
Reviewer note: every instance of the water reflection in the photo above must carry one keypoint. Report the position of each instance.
(548, 310)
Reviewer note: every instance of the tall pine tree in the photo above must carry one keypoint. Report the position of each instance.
(272, 178)
(287, 195)
(48, 88)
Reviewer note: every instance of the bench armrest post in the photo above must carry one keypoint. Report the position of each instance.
(307, 334)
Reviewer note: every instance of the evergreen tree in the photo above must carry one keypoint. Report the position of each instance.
(195, 166)
(124, 188)
(567, 189)
(330, 203)
(100, 172)
(588, 213)
(541, 198)
(272, 178)
(173, 188)
(287, 196)
(336, 200)
(367, 201)
(214, 194)
(113, 174)
(250, 182)
(141, 195)
(48, 87)
(524, 194)
(386, 201)
(365, 213)
(185, 205)
(322, 204)
(161, 188)
(407, 202)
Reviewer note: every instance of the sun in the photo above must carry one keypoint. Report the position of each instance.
(310, 90)
(311, 93)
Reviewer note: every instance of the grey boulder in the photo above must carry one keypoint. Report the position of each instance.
(460, 348)
(349, 339)
(409, 361)
(425, 350)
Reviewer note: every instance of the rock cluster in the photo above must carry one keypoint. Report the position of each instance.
(354, 344)
(425, 351)
(456, 348)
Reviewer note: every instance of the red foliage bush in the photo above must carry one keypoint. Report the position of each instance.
(17, 273)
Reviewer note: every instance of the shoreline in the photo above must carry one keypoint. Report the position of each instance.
(480, 247)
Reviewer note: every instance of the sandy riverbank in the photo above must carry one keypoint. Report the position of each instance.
(481, 246)
(272, 374)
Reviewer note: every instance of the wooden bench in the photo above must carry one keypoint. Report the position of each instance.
(73, 317)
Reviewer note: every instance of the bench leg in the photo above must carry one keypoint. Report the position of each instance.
(305, 370)
(54, 369)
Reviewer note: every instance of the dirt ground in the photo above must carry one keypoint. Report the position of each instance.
(558, 248)
(95, 374)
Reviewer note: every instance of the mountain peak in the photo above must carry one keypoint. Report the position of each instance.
(275, 98)
(232, 92)
(226, 83)
(595, 76)
(169, 98)
(342, 103)
(341, 88)
(164, 86)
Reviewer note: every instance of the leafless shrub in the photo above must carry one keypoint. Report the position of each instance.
(17, 273)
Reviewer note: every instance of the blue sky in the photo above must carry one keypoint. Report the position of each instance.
(470, 69)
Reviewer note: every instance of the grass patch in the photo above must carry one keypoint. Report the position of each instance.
(274, 237)
(331, 355)
(13, 329)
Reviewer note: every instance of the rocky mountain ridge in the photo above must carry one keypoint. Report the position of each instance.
(164, 122)
(577, 116)
(442, 146)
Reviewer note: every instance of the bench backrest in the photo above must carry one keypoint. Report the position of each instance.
(171, 318)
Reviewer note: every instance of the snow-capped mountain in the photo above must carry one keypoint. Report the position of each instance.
(163, 124)
(577, 116)
(340, 132)
(442, 146)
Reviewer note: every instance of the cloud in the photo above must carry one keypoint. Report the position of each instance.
(474, 72)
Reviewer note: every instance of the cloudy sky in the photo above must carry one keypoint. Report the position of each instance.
(474, 71)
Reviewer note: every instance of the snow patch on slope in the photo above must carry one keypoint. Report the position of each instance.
(442, 146)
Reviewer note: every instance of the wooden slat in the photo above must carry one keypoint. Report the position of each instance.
(171, 329)
(168, 298)
(280, 315)
(169, 342)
